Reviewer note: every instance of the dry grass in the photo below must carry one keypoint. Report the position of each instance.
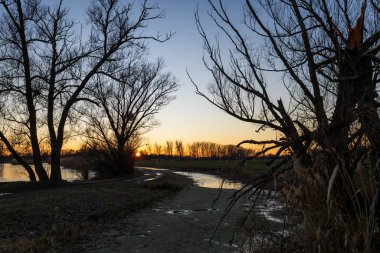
(335, 213)
(62, 219)
(328, 211)
(66, 238)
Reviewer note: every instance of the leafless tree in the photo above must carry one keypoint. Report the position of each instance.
(157, 149)
(180, 150)
(327, 53)
(169, 148)
(128, 102)
(193, 150)
(46, 63)
(205, 149)
(149, 149)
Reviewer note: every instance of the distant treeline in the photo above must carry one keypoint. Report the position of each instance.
(178, 148)
(201, 149)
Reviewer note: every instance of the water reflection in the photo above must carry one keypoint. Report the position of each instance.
(211, 181)
(12, 172)
(205, 180)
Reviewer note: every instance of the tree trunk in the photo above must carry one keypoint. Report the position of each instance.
(130, 169)
(37, 159)
(367, 105)
(18, 158)
(55, 161)
(42, 175)
(125, 163)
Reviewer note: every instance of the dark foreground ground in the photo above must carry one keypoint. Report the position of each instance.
(66, 217)
(182, 223)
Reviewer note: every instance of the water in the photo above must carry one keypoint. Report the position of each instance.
(203, 180)
(269, 207)
(11, 173)
(211, 181)
(267, 220)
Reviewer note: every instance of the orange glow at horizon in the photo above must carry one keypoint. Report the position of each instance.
(165, 133)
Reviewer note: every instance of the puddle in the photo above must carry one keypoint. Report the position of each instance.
(268, 208)
(149, 179)
(186, 212)
(139, 235)
(223, 244)
(212, 181)
(3, 194)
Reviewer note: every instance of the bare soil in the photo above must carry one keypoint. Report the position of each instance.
(186, 222)
(64, 217)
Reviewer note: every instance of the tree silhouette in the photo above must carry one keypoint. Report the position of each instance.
(127, 103)
(180, 149)
(157, 149)
(327, 53)
(46, 63)
(169, 148)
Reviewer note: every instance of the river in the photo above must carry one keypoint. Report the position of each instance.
(185, 221)
(11, 172)
(193, 220)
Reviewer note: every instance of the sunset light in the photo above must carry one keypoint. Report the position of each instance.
(189, 126)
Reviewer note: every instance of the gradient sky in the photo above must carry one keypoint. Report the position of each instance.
(190, 117)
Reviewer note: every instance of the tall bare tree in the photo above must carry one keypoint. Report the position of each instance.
(180, 149)
(169, 148)
(328, 55)
(157, 149)
(46, 63)
(128, 103)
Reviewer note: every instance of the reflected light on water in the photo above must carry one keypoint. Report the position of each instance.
(205, 180)
(211, 181)
(12, 172)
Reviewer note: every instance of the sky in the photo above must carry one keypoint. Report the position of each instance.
(190, 117)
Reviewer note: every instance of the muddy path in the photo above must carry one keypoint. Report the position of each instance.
(183, 223)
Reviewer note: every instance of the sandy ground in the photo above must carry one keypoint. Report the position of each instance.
(183, 223)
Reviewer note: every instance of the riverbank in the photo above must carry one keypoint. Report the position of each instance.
(185, 222)
(192, 221)
(63, 217)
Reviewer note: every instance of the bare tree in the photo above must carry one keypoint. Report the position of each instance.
(46, 64)
(180, 150)
(149, 149)
(128, 102)
(157, 149)
(328, 55)
(193, 150)
(169, 148)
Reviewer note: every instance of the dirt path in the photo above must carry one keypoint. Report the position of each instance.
(183, 223)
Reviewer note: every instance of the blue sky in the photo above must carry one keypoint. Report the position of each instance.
(189, 117)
